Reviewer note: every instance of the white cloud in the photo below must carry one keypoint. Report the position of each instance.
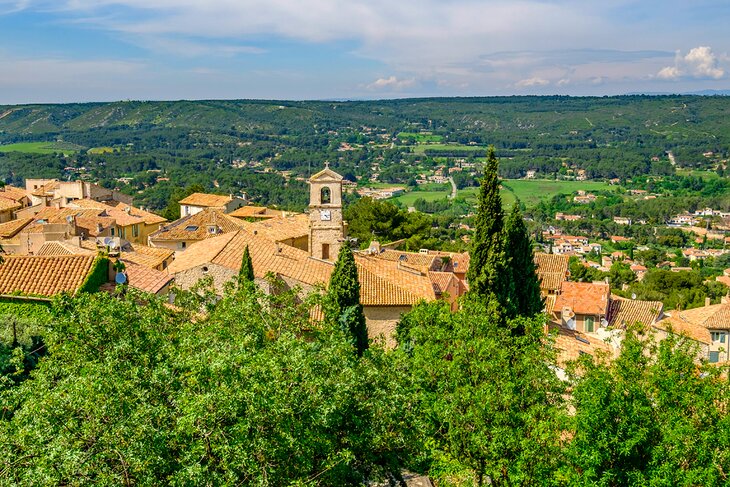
(529, 82)
(391, 83)
(699, 62)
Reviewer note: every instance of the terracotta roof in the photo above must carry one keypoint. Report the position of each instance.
(47, 189)
(724, 280)
(679, 326)
(13, 193)
(44, 275)
(382, 283)
(280, 229)
(412, 259)
(715, 316)
(255, 211)
(206, 200)
(123, 214)
(588, 298)
(8, 204)
(63, 248)
(571, 344)
(551, 281)
(624, 312)
(11, 228)
(197, 227)
(551, 262)
(145, 278)
(550, 303)
(147, 256)
(87, 220)
(440, 280)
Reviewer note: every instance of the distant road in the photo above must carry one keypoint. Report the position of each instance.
(671, 158)
(453, 188)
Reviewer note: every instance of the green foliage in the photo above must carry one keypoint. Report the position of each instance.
(245, 273)
(677, 290)
(523, 272)
(22, 325)
(98, 275)
(135, 392)
(652, 417)
(343, 305)
(491, 404)
(488, 275)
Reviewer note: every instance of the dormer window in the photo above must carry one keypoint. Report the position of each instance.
(325, 196)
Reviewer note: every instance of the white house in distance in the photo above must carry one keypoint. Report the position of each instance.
(197, 202)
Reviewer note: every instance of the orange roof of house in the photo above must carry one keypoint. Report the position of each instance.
(280, 229)
(63, 248)
(715, 316)
(11, 228)
(13, 193)
(441, 280)
(198, 226)
(571, 344)
(382, 282)
(255, 211)
(551, 263)
(145, 255)
(586, 298)
(123, 214)
(145, 278)
(44, 275)
(8, 204)
(206, 200)
(679, 326)
(623, 312)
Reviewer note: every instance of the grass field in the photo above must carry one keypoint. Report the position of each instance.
(420, 138)
(697, 173)
(422, 148)
(41, 147)
(101, 150)
(532, 191)
(409, 198)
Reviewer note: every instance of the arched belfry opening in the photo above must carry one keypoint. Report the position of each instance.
(325, 196)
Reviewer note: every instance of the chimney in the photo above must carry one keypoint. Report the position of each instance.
(707, 301)
(725, 299)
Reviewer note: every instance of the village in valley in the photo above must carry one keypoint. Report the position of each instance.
(53, 234)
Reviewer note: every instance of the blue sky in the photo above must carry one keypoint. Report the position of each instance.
(86, 50)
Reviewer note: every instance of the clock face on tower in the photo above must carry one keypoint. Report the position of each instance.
(325, 215)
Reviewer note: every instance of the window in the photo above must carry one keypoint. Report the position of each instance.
(589, 324)
(191, 228)
(718, 336)
(183, 245)
(325, 195)
(135, 230)
(112, 229)
(714, 357)
(326, 251)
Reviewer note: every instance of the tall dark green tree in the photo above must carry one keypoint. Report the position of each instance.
(488, 270)
(344, 300)
(245, 273)
(518, 247)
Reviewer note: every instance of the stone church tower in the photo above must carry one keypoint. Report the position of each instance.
(326, 226)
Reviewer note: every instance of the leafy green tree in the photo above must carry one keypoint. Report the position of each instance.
(344, 300)
(518, 249)
(651, 417)
(488, 275)
(172, 211)
(492, 406)
(245, 273)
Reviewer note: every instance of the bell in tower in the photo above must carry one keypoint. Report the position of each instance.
(326, 225)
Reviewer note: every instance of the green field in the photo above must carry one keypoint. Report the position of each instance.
(422, 148)
(41, 147)
(101, 150)
(409, 198)
(532, 191)
(420, 137)
(697, 173)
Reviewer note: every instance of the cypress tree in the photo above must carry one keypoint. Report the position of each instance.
(518, 246)
(488, 273)
(245, 273)
(344, 300)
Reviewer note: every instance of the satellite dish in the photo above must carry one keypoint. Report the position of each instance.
(69, 219)
(571, 324)
(604, 322)
(633, 295)
(108, 240)
(121, 278)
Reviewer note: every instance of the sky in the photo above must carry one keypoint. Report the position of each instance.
(105, 50)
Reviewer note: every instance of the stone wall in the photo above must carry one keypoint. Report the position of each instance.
(382, 320)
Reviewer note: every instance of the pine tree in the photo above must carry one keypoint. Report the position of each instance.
(518, 246)
(245, 274)
(344, 300)
(488, 271)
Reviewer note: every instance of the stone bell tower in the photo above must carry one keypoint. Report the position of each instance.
(326, 226)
